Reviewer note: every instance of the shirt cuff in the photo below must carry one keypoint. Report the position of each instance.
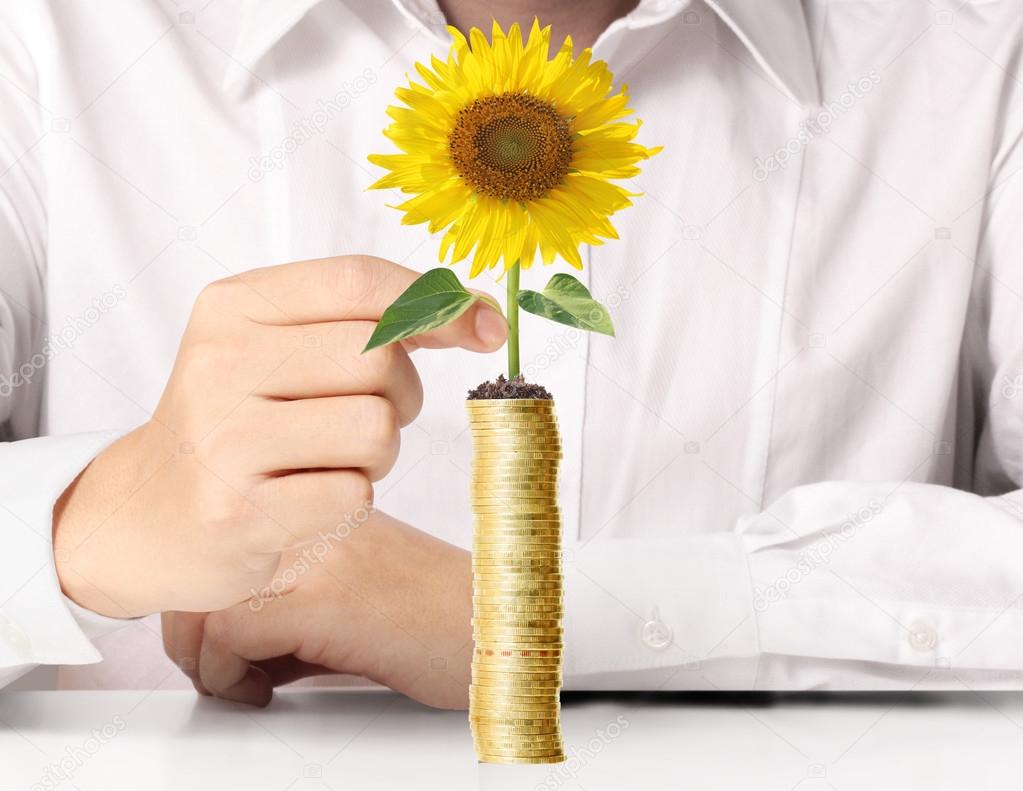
(648, 604)
(38, 625)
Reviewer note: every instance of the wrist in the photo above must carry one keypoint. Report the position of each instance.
(93, 568)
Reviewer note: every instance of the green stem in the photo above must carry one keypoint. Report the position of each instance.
(513, 320)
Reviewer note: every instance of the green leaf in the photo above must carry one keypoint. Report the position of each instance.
(434, 300)
(567, 301)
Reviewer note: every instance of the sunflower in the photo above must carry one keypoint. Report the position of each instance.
(511, 152)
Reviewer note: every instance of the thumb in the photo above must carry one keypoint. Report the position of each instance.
(480, 329)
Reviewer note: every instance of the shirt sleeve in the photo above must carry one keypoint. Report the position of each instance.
(843, 583)
(37, 624)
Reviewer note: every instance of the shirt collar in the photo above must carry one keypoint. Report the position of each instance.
(774, 32)
(777, 36)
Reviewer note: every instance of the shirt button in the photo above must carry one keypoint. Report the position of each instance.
(657, 635)
(923, 637)
(14, 638)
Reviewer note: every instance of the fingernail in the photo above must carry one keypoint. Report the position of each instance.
(491, 328)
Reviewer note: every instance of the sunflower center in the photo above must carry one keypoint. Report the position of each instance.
(512, 147)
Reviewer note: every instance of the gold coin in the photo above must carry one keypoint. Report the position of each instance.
(541, 458)
(485, 449)
(484, 719)
(516, 565)
(530, 492)
(529, 510)
(526, 429)
(517, 664)
(491, 613)
(498, 737)
(520, 752)
(522, 710)
(518, 633)
(508, 548)
(491, 758)
(512, 419)
(514, 595)
(502, 732)
(521, 620)
(514, 442)
(516, 525)
(519, 548)
(517, 552)
(531, 422)
(506, 738)
(494, 613)
(508, 674)
(497, 503)
(491, 685)
(508, 585)
(499, 574)
(511, 656)
(487, 495)
(518, 643)
(542, 594)
(510, 740)
(531, 676)
(513, 476)
(520, 655)
(505, 644)
(497, 520)
(513, 694)
(506, 403)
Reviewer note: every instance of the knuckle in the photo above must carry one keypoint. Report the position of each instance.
(220, 511)
(216, 295)
(208, 360)
(378, 422)
(354, 275)
(382, 363)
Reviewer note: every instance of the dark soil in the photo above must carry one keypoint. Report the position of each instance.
(509, 388)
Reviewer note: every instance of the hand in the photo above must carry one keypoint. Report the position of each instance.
(385, 601)
(270, 430)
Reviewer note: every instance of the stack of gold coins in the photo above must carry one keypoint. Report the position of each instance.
(514, 706)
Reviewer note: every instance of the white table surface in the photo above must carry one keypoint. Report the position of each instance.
(365, 739)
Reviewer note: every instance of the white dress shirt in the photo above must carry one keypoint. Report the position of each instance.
(798, 463)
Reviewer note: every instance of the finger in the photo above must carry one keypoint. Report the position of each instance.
(312, 509)
(327, 360)
(286, 669)
(345, 288)
(479, 329)
(182, 639)
(237, 637)
(360, 432)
